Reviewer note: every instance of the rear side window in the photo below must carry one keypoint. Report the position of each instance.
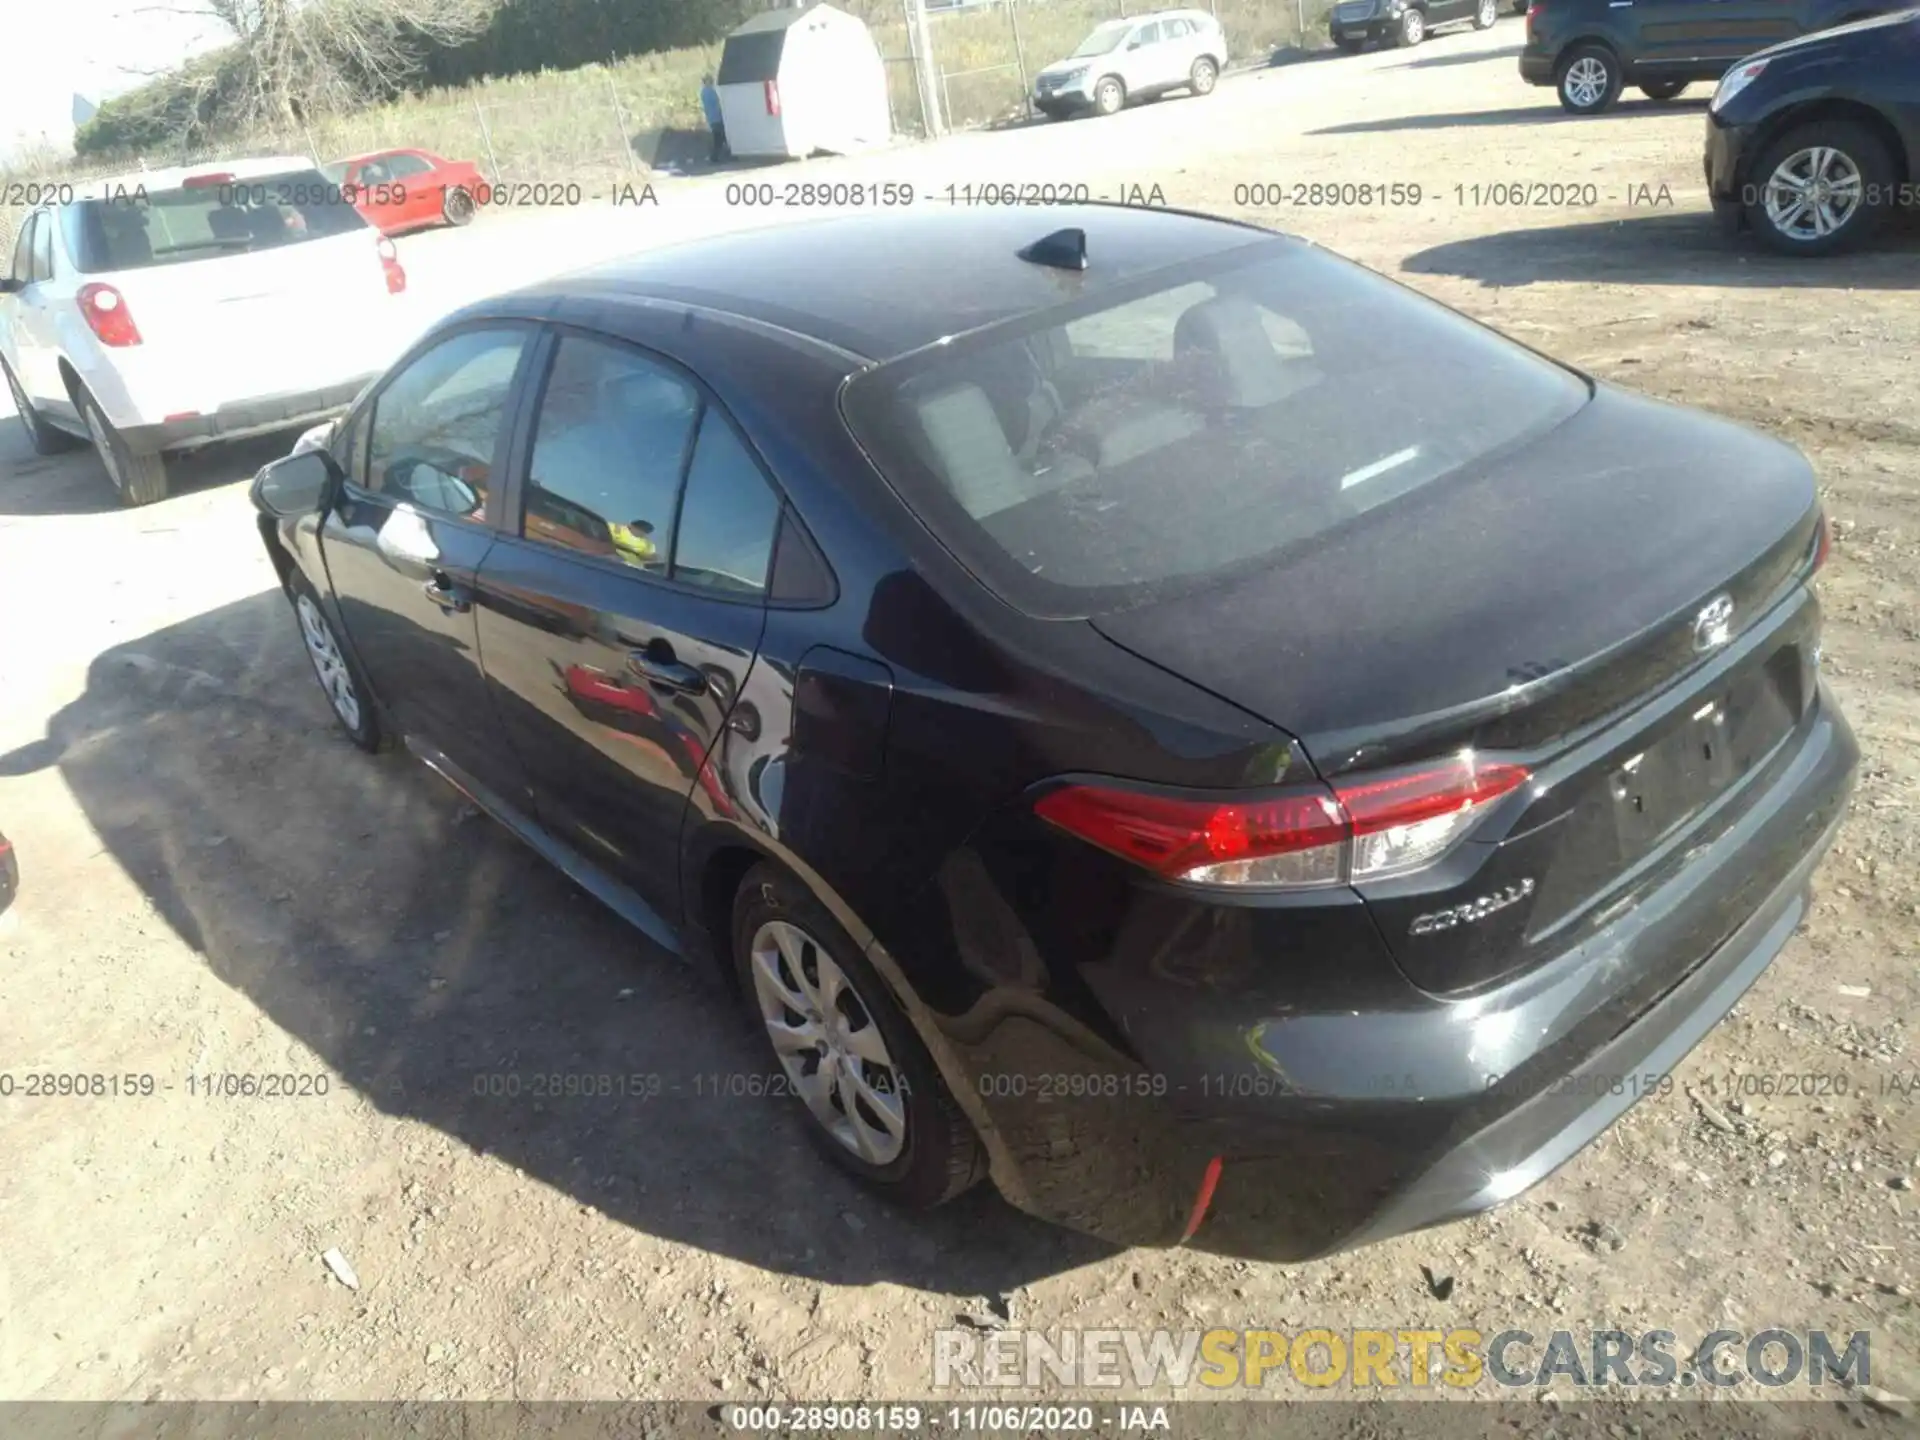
(609, 449)
(164, 227)
(401, 166)
(728, 517)
(1106, 453)
(437, 424)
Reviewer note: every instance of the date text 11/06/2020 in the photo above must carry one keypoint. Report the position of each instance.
(1472, 195)
(898, 194)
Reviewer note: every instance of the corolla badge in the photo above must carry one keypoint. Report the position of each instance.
(1473, 910)
(1713, 626)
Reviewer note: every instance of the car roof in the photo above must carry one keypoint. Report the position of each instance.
(173, 177)
(383, 154)
(881, 284)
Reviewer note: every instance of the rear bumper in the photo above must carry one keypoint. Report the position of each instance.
(250, 417)
(1537, 67)
(1339, 1122)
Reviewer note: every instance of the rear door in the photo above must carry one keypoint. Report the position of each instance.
(630, 601)
(405, 545)
(414, 196)
(1679, 35)
(1740, 27)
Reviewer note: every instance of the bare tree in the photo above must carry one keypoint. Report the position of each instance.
(295, 57)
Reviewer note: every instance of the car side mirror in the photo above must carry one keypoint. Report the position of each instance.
(302, 484)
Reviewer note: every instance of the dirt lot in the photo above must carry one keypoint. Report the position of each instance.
(216, 882)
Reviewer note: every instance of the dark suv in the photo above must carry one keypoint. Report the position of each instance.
(1590, 50)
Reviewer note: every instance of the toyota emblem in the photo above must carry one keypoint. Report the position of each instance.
(1713, 626)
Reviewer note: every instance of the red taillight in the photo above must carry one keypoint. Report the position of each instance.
(1190, 839)
(390, 262)
(206, 182)
(1822, 544)
(1366, 829)
(773, 97)
(107, 315)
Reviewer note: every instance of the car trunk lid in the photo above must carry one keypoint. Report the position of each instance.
(1523, 608)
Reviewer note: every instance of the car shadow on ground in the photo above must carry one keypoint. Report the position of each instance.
(437, 966)
(1434, 62)
(74, 482)
(1548, 113)
(1668, 248)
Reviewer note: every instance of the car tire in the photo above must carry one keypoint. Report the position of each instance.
(1851, 156)
(1109, 96)
(1204, 75)
(1590, 80)
(348, 694)
(1411, 30)
(45, 439)
(456, 206)
(1484, 17)
(787, 948)
(1350, 44)
(1663, 89)
(138, 479)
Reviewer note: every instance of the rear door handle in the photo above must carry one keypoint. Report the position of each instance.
(452, 598)
(656, 666)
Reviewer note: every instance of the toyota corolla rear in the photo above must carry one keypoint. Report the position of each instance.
(1549, 762)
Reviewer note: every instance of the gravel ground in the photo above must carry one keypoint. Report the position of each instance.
(216, 882)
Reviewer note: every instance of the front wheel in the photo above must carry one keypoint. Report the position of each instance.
(1109, 96)
(138, 479)
(339, 677)
(874, 1102)
(1488, 12)
(1205, 75)
(1663, 89)
(1590, 80)
(1412, 29)
(1820, 189)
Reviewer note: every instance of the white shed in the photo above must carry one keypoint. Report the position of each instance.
(796, 81)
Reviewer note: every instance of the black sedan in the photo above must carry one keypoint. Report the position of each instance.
(1118, 726)
(1813, 144)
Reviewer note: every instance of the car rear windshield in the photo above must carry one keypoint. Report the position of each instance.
(1194, 423)
(139, 228)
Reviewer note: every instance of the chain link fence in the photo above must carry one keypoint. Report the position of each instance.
(603, 125)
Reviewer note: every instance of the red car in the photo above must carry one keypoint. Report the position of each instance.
(407, 189)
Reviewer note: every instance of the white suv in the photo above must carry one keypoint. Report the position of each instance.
(1132, 59)
(171, 309)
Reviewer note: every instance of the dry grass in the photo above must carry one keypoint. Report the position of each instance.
(603, 122)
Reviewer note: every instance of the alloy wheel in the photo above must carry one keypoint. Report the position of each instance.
(1586, 82)
(1414, 27)
(328, 663)
(1489, 13)
(828, 1042)
(1813, 193)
